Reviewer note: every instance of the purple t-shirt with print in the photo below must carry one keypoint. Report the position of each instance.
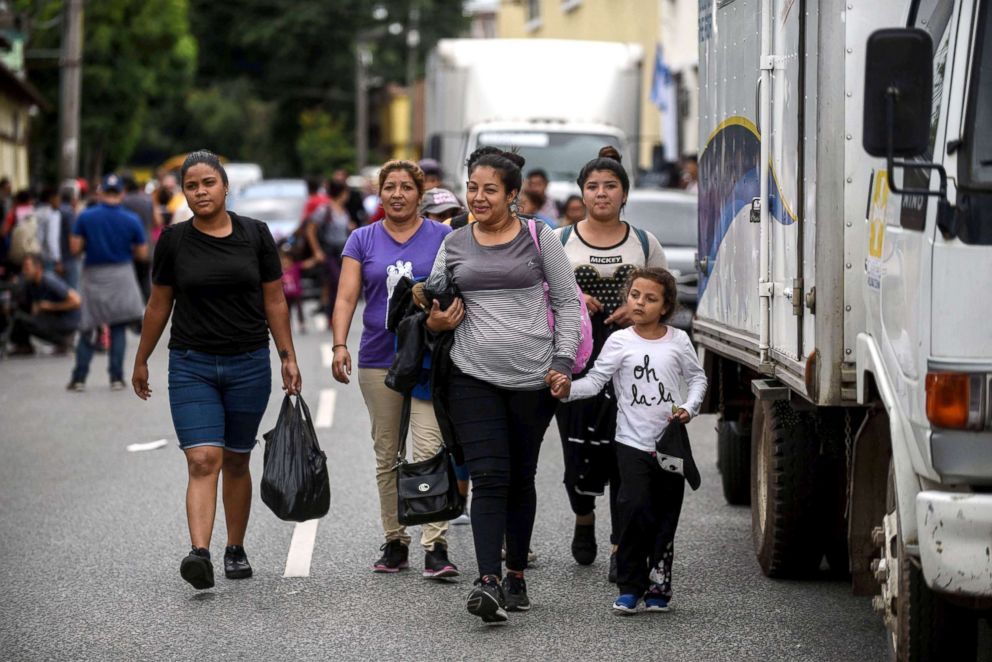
(384, 261)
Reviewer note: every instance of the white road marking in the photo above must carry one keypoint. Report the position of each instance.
(326, 354)
(325, 408)
(301, 549)
(150, 446)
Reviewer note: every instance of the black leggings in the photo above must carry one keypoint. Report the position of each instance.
(650, 502)
(500, 432)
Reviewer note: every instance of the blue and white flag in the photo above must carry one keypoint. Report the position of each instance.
(664, 95)
(661, 82)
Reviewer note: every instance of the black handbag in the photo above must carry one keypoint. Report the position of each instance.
(427, 491)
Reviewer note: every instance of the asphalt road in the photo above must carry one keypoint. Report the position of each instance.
(91, 536)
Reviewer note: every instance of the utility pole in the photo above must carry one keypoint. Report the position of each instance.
(362, 56)
(412, 42)
(71, 62)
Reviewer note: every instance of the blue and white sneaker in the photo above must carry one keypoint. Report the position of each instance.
(465, 519)
(655, 602)
(626, 604)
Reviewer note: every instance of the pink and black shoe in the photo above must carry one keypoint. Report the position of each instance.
(395, 557)
(437, 565)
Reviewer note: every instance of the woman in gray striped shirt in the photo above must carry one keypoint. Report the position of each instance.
(503, 353)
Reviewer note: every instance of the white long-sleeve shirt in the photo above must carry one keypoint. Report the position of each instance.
(645, 376)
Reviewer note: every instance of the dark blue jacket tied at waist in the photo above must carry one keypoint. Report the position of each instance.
(422, 365)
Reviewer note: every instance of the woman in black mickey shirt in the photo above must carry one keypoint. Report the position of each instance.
(222, 272)
(603, 250)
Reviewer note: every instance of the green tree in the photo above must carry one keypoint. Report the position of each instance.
(300, 56)
(139, 58)
(323, 144)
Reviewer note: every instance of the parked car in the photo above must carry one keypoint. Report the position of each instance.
(277, 202)
(670, 215)
(240, 175)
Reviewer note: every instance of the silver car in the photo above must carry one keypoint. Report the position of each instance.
(670, 215)
(277, 202)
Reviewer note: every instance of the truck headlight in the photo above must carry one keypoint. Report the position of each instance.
(956, 400)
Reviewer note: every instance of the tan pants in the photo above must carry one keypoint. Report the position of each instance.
(385, 405)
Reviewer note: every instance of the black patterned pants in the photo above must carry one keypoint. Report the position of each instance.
(649, 505)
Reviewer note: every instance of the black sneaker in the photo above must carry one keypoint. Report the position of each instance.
(197, 569)
(395, 557)
(236, 564)
(612, 576)
(437, 565)
(487, 600)
(515, 589)
(584, 544)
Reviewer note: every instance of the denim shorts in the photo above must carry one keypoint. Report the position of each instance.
(218, 400)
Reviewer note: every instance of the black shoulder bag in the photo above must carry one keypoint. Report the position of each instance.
(427, 491)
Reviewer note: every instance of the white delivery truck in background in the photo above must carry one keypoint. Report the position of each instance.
(845, 297)
(557, 102)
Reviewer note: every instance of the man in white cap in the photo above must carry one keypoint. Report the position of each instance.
(440, 204)
(112, 238)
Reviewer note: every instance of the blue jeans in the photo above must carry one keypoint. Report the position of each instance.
(73, 271)
(86, 346)
(218, 400)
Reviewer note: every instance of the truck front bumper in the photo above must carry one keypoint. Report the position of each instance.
(955, 534)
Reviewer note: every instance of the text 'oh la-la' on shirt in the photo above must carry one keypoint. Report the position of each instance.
(646, 376)
(504, 338)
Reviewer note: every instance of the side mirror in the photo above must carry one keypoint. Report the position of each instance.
(898, 91)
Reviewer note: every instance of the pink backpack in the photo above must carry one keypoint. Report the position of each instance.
(585, 337)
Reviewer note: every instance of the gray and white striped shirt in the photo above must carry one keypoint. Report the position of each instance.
(505, 339)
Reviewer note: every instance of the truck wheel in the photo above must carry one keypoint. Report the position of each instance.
(733, 457)
(784, 513)
(921, 624)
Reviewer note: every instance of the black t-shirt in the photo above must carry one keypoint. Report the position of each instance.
(217, 283)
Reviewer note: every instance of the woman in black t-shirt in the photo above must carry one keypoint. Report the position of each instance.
(223, 273)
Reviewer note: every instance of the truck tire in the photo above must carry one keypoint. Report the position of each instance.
(925, 626)
(733, 458)
(784, 513)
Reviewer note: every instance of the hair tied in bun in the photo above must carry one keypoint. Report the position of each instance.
(514, 158)
(608, 159)
(610, 152)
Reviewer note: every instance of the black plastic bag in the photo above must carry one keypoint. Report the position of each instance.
(294, 478)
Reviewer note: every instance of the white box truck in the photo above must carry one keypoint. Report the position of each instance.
(845, 297)
(555, 101)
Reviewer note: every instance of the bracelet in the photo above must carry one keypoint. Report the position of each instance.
(334, 347)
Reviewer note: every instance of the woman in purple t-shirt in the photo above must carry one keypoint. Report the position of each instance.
(374, 260)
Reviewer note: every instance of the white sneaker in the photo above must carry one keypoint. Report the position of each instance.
(462, 519)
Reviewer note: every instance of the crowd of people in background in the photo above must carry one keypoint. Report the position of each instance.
(51, 236)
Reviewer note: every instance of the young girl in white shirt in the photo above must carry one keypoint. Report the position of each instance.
(645, 362)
